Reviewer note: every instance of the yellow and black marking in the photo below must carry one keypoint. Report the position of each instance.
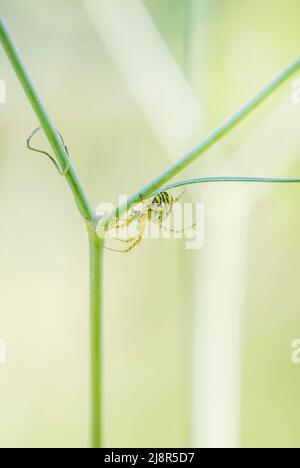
(162, 198)
(160, 206)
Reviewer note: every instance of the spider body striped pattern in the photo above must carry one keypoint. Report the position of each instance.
(162, 198)
(154, 210)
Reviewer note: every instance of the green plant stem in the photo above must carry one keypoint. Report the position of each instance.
(96, 245)
(96, 278)
(209, 141)
(46, 122)
(205, 180)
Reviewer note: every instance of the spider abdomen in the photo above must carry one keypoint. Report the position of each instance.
(162, 198)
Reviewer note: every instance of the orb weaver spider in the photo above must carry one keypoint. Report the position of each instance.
(156, 210)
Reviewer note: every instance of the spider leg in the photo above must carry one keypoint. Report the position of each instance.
(161, 213)
(176, 231)
(179, 196)
(134, 216)
(145, 204)
(166, 214)
(138, 239)
(136, 242)
(122, 223)
(126, 241)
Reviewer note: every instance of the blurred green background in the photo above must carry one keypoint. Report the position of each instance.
(227, 50)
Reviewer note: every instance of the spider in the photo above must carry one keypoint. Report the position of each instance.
(156, 210)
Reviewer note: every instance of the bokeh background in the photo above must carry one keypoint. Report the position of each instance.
(197, 344)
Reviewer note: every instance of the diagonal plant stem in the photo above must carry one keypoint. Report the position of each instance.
(209, 141)
(46, 122)
(96, 245)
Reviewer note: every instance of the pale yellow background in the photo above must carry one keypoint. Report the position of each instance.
(148, 295)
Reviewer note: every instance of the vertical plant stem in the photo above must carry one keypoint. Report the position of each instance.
(96, 278)
(96, 245)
